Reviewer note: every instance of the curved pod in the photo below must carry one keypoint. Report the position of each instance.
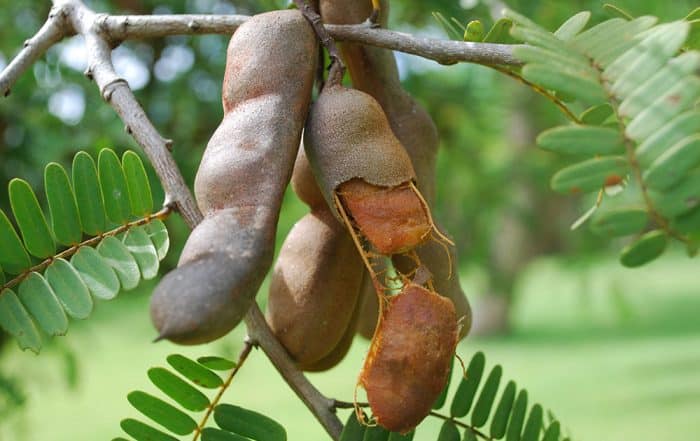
(241, 179)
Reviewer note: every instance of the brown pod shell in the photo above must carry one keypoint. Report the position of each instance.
(241, 179)
(341, 348)
(304, 183)
(348, 136)
(409, 360)
(369, 308)
(315, 287)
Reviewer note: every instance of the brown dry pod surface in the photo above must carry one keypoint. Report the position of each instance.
(347, 136)
(314, 289)
(241, 180)
(409, 360)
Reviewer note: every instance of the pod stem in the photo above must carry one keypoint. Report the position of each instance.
(337, 67)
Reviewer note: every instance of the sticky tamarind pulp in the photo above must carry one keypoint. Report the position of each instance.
(241, 179)
(409, 360)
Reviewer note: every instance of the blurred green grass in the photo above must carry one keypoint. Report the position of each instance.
(614, 353)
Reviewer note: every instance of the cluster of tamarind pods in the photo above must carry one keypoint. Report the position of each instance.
(367, 172)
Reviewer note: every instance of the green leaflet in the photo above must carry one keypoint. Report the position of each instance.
(65, 220)
(566, 80)
(162, 413)
(645, 249)
(619, 221)
(674, 131)
(194, 371)
(97, 275)
(178, 389)
(674, 164)
(114, 189)
(140, 195)
(214, 434)
(14, 258)
(474, 31)
(515, 424)
(143, 432)
(248, 423)
(538, 37)
(672, 102)
(533, 425)
(140, 246)
(15, 320)
(563, 60)
(596, 115)
(499, 421)
(482, 409)
(216, 363)
(464, 396)
(590, 175)
(448, 432)
(646, 92)
(582, 140)
(122, 262)
(69, 288)
(159, 237)
(40, 301)
(353, 429)
(689, 223)
(2, 277)
(88, 194)
(376, 433)
(681, 198)
(32, 223)
(469, 435)
(499, 32)
(552, 432)
(573, 26)
(645, 59)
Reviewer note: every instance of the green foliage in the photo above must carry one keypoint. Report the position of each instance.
(637, 145)
(233, 423)
(69, 269)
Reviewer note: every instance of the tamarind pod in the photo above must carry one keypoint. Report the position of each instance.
(314, 289)
(322, 294)
(374, 71)
(304, 184)
(348, 136)
(342, 347)
(241, 179)
(409, 360)
(354, 154)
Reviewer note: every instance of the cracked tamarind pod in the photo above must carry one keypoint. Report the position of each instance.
(316, 282)
(357, 161)
(373, 70)
(241, 179)
(408, 362)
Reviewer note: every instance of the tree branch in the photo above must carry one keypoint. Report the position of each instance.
(53, 31)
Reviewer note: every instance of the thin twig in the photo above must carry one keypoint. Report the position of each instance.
(248, 345)
(53, 31)
(68, 252)
(320, 406)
